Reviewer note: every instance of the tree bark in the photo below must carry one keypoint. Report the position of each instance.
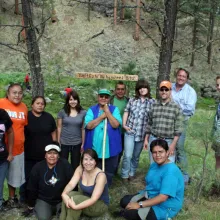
(137, 26)
(167, 39)
(16, 7)
(33, 50)
(115, 12)
(211, 30)
(195, 31)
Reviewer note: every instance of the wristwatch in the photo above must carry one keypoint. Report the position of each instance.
(140, 204)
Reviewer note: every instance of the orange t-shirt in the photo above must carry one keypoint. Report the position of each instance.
(18, 114)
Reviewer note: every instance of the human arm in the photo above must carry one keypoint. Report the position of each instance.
(59, 127)
(172, 146)
(97, 192)
(146, 140)
(148, 202)
(125, 118)
(54, 135)
(71, 185)
(90, 122)
(32, 186)
(83, 138)
(190, 99)
(10, 133)
(111, 116)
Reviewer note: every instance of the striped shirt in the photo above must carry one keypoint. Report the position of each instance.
(165, 120)
(138, 116)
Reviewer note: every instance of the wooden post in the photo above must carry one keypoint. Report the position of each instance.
(115, 12)
(122, 10)
(137, 26)
(16, 7)
(53, 16)
(23, 33)
(103, 144)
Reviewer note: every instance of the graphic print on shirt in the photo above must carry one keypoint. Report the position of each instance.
(2, 132)
(14, 114)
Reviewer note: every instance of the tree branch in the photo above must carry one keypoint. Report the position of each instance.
(11, 47)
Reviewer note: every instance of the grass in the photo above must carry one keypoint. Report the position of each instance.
(206, 208)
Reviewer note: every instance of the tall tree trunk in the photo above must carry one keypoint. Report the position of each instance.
(33, 50)
(137, 26)
(115, 11)
(16, 11)
(195, 31)
(167, 39)
(122, 17)
(211, 30)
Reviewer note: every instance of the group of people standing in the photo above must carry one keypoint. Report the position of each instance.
(38, 150)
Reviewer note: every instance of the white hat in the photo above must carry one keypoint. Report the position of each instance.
(52, 147)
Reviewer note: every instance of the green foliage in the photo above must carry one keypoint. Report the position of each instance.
(130, 69)
(128, 13)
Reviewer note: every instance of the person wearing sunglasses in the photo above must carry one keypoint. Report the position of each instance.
(165, 121)
(94, 132)
(120, 100)
(185, 96)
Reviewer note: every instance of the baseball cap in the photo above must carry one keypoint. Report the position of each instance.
(104, 92)
(166, 84)
(52, 147)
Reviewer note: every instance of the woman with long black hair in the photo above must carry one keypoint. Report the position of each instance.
(70, 128)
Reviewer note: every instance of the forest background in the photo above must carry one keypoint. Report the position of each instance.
(65, 37)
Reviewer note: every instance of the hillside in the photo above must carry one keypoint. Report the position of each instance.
(66, 46)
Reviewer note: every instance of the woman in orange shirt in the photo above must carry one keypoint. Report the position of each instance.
(17, 111)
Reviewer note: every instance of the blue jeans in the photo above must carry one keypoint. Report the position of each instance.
(3, 173)
(181, 157)
(132, 151)
(169, 141)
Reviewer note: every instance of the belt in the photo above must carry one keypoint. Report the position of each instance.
(163, 138)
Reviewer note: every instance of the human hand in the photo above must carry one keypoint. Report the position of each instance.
(71, 203)
(103, 116)
(132, 205)
(171, 150)
(28, 212)
(10, 157)
(66, 199)
(145, 145)
(81, 148)
(126, 128)
(106, 108)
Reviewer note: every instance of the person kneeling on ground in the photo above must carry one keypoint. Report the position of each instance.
(164, 192)
(47, 181)
(93, 198)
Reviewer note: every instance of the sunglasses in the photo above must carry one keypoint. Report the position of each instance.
(164, 89)
(104, 96)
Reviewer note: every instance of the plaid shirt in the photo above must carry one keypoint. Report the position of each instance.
(165, 121)
(138, 116)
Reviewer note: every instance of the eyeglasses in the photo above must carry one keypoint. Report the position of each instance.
(104, 96)
(164, 89)
(120, 89)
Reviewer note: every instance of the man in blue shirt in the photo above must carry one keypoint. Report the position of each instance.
(94, 132)
(184, 95)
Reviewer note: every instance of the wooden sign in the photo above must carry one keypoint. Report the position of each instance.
(106, 76)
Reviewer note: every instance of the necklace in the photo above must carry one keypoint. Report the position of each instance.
(53, 180)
